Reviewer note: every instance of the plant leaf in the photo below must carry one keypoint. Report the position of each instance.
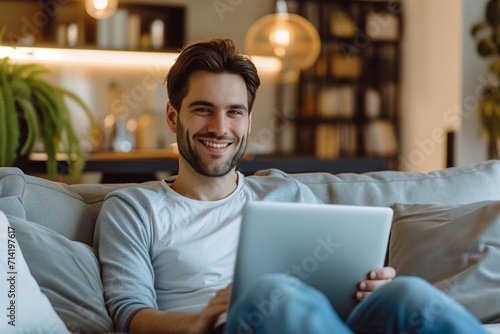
(10, 139)
(3, 131)
(486, 47)
(476, 28)
(80, 102)
(32, 124)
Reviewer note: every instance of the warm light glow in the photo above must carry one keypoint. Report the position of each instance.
(110, 58)
(101, 9)
(100, 4)
(266, 64)
(280, 36)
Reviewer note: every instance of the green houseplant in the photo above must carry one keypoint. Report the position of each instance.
(32, 108)
(487, 35)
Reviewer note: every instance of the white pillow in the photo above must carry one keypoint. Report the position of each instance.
(26, 309)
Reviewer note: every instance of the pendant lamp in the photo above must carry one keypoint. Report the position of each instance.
(290, 37)
(101, 9)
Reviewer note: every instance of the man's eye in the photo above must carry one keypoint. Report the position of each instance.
(202, 110)
(235, 112)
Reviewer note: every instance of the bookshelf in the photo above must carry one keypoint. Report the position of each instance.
(348, 102)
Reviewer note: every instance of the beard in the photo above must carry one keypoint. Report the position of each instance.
(194, 159)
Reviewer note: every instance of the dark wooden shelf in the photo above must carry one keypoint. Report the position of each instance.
(359, 69)
(143, 163)
(73, 12)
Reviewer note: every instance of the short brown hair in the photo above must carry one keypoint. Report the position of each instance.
(215, 56)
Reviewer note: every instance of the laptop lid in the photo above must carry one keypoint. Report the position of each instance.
(330, 247)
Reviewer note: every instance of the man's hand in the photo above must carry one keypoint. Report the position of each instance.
(208, 317)
(376, 278)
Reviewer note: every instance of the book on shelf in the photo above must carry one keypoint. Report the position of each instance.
(327, 141)
(372, 103)
(390, 93)
(345, 65)
(380, 138)
(337, 101)
(341, 24)
(334, 141)
(382, 26)
(348, 140)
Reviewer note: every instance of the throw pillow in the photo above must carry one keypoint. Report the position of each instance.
(12, 206)
(454, 247)
(25, 309)
(68, 273)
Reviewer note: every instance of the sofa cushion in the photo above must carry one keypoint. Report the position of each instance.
(12, 182)
(57, 206)
(25, 308)
(68, 273)
(473, 183)
(73, 209)
(454, 247)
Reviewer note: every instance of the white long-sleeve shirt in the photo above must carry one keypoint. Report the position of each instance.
(161, 250)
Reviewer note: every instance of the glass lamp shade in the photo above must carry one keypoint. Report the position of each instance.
(289, 37)
(101, 9)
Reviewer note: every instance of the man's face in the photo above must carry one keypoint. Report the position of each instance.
(213, 124)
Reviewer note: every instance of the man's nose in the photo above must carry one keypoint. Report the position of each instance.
(218, 123)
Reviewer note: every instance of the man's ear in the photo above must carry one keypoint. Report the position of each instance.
(172, 115)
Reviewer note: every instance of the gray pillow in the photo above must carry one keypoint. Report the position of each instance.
(12, 206)
(454, 247)
(68, 273)
(25, 308)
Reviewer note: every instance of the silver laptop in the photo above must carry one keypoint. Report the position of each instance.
(330, 247)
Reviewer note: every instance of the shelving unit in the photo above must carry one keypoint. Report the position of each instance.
(349, 100)
(67, 24)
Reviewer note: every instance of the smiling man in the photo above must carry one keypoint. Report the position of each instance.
(168, 251)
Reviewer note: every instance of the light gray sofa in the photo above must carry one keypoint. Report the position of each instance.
(446, 229)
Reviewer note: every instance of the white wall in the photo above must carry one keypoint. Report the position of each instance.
(442, 79)
(431, 81)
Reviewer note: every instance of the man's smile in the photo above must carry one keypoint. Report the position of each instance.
(215, 145)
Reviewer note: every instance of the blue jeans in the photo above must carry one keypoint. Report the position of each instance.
(281, 304)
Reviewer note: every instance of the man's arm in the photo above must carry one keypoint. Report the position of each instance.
(156, 321)
(122, 237)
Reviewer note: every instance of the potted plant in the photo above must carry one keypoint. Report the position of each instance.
(487, 35)
(32, 108)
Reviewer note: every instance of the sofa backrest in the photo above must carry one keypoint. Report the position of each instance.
(458, 185)
(71, 210)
